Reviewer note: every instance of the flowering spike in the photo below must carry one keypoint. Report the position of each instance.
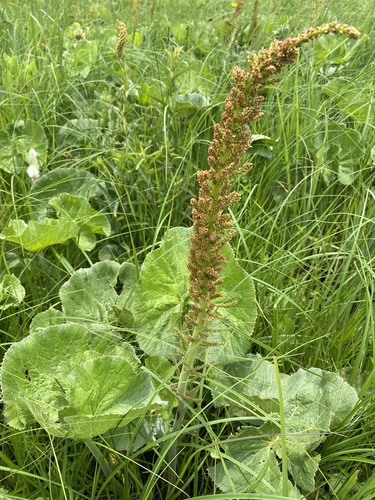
(212, 226)
(122, 36)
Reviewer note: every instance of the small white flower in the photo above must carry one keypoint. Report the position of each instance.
(33, 168)
(33, 172)
(32, 156)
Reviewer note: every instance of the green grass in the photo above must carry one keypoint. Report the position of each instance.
(307, 240)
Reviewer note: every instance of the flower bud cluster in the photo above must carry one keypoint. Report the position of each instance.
(122, 36)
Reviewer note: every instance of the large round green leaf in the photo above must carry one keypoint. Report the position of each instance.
(75, 381)
(161, 301)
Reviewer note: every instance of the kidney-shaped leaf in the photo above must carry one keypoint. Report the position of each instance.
(90, 294)
(251, 464)
(315, 402)
(161, 295)
(79, 210)
(61, 180)
(69, 207)
(161, 301)
(73, 380)
(35, 236)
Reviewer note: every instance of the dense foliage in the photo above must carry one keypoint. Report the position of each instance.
(104, 126)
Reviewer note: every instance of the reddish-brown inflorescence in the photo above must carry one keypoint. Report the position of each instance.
(212, 226)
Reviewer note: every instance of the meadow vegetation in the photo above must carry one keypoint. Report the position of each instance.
(107, 113)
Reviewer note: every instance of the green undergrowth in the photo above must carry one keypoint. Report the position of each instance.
(125, 138)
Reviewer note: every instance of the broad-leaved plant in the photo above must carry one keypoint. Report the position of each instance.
(187, 320)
